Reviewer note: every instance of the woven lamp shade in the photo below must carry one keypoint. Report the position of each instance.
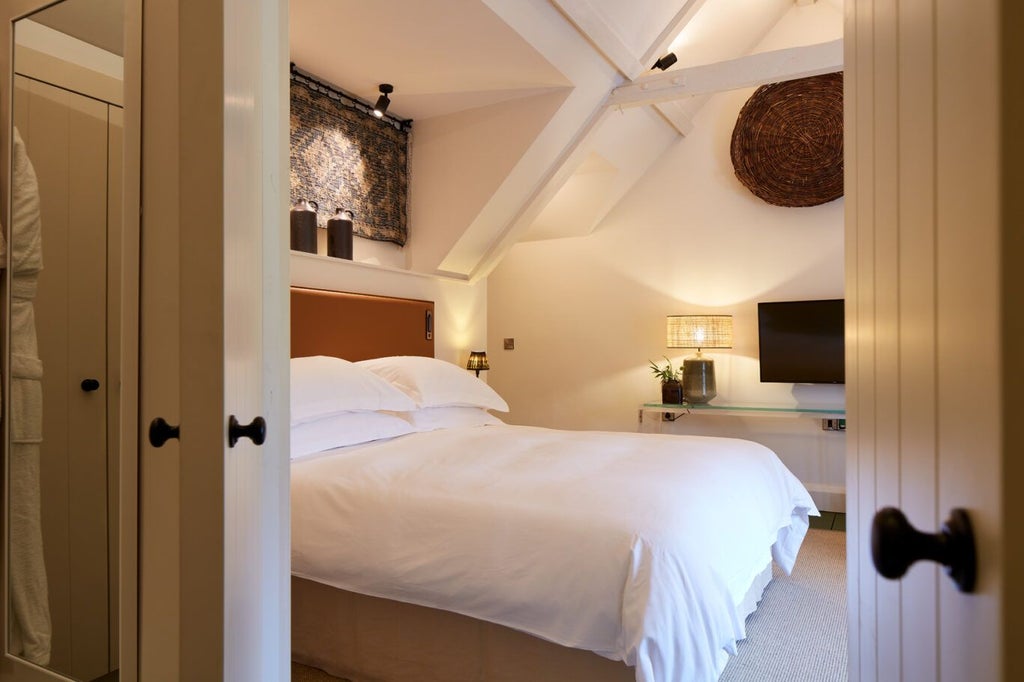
(699, 331)
(787, 146)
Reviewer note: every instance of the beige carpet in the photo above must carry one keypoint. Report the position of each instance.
(798, 634)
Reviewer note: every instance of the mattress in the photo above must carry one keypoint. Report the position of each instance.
(640, 547)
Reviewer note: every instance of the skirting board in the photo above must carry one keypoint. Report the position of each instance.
(828, 497)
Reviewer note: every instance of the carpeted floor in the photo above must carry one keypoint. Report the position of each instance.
(797, 634)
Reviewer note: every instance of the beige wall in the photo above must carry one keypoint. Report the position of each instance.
(588, 313)
(459, 162)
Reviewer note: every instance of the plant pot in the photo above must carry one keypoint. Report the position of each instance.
(671, 393)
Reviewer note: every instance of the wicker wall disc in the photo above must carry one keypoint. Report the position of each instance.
(787, 146)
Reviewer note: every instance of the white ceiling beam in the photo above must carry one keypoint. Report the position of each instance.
(677, 115)
(732, 74)
(602, 35)
(671, 32)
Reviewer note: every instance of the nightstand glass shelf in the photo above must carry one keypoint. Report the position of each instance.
(820, 412)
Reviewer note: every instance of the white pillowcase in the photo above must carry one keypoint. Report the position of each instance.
(435, 383)
(433, 418)
(322, 385)
(346, 428)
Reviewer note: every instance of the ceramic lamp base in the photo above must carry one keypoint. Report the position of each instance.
(699, 380)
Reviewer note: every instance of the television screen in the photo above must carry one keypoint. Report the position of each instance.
(801, 342)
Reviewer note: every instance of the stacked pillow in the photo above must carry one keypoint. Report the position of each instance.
(336, 403)
(445, 395)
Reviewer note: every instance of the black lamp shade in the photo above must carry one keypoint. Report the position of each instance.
(477, 361)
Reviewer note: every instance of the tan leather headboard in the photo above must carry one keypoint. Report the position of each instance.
(359, 326)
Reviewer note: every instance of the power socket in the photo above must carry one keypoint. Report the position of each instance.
(833, 424)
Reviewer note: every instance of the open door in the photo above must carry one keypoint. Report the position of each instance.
(927, 306)
(214, 519)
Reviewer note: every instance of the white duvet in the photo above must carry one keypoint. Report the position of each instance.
(640, 547)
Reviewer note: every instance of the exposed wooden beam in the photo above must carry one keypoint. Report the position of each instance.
(743, 72)
(602, 35)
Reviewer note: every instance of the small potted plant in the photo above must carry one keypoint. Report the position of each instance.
(671, 387)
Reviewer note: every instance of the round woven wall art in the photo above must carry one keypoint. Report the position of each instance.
(787, 146)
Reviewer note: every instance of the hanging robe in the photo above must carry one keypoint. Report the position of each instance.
(29, 607)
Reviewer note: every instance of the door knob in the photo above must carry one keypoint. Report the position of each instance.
(895, 545)
(256, 431)
(160, 432)
(89, 385)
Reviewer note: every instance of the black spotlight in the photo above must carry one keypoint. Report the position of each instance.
(665, 62)
(382, 102)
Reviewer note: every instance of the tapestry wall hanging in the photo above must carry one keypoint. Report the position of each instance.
(787, 146)
(344, 158)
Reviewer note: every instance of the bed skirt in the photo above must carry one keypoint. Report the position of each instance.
(369, 639)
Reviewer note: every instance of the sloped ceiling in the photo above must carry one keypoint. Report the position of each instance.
(442, 56)
(532, 79)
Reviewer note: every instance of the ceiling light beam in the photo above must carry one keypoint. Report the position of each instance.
(743, 72)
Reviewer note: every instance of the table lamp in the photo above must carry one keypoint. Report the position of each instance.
(699, 331)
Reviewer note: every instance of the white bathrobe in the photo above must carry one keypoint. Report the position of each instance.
(30, 631)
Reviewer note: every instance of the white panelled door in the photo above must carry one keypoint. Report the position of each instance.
(214, 549)
(924, 309)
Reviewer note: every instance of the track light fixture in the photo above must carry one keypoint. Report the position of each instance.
(383, 101)
(344, 99)
(665, 62)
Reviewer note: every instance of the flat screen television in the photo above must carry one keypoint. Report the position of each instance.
(802, 342)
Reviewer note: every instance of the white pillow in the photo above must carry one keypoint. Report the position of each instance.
(435, 383)
(433, 418)
(322, 385)
(346, 428)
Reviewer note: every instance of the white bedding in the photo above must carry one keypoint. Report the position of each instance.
(640, 547)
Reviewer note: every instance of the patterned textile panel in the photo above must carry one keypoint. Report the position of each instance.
(344, 158)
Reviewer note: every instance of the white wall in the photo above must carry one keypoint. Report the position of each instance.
(369, 251)
(588, 313)
(460, 310)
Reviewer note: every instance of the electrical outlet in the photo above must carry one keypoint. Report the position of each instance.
(510, 344)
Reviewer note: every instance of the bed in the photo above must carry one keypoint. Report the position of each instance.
(438, 543)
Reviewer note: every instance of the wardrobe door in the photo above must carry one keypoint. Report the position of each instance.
(66, 137)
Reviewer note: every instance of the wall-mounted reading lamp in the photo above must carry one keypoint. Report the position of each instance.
(383, 101)
(478, 361)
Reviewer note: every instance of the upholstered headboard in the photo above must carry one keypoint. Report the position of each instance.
(359, 326)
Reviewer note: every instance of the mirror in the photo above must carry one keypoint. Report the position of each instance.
(62, 367)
